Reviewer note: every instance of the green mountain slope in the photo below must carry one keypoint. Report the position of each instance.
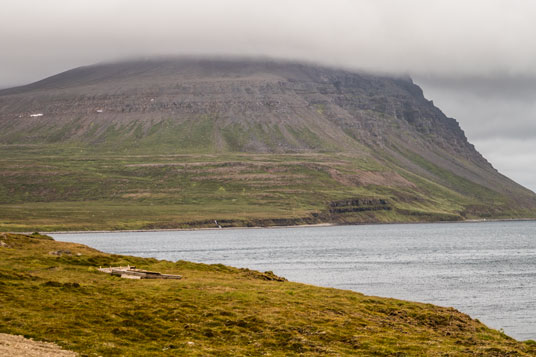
(182, 142)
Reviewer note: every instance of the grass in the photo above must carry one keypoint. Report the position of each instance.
(50, 188)
(215, 310)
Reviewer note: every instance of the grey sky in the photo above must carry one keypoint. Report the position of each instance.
(498, 115)
(476, 59)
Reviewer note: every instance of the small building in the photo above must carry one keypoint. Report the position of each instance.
(130, 272)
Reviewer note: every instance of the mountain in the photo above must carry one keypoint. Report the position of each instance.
(288, 142)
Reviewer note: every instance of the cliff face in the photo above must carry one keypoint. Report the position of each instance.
(202, 106)
(252, 106)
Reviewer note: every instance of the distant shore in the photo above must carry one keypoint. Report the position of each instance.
(277, 227)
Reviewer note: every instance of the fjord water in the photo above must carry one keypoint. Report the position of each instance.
(485, 269)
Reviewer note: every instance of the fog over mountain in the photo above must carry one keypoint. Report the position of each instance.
(474, 59)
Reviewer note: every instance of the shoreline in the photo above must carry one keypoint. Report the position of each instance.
(279, 227)
(205, 304)
(295, 226)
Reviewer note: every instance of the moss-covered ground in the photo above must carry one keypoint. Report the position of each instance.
(52, 291)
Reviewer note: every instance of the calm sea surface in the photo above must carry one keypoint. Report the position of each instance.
(487, 270)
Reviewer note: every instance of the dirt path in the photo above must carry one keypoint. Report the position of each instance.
(18, 346)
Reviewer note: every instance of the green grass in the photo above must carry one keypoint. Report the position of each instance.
(68, 188)
(215, 310)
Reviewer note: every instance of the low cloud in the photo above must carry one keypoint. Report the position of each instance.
(478, 37)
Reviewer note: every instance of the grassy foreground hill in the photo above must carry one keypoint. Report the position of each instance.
(52, 291)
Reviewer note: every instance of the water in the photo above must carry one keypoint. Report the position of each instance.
(487, 270)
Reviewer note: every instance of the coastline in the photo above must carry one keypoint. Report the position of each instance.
(323, 236)
(213, 302)
(327, 224)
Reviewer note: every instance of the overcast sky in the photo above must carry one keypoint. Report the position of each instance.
(475, 58)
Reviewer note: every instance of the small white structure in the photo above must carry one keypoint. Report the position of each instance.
(36, 115)
(99, 110)
(130, 272)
